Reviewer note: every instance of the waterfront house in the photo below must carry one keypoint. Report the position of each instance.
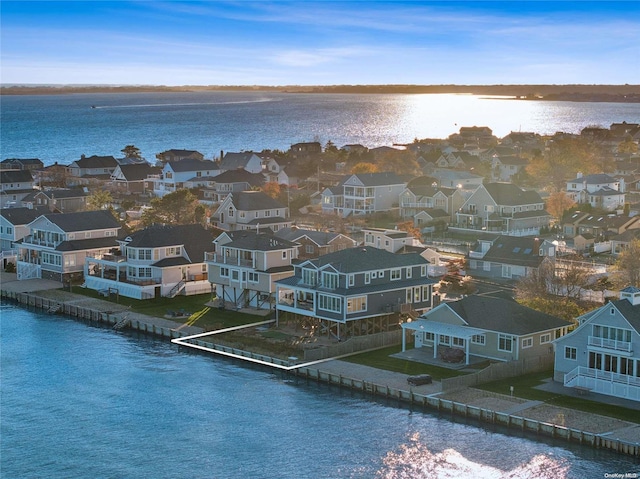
(57, 244)
(505, 208)
(251, 210)
(508, 257)
(485, 327)
(175, 175)
(603, 353)
(600, 191)
(356, 291)
(315, 243)
(160, 260)
(245, 265)
(63, 200)
(15, 185)
(13, 227)
(247, 160)
(363, 193)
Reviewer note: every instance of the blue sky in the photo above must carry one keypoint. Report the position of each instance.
(319, 43)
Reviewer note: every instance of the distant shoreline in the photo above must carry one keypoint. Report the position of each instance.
(577, 93)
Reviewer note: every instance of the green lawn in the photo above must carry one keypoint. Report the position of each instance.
(380, 359)
(160, 307)
(524, 387)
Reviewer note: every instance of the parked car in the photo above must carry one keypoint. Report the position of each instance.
(419, 380)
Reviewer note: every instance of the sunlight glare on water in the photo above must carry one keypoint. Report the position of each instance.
(415, 461)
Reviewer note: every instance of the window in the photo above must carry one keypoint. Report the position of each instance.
(230, 212)
(253, 277)
(224, 272)
(70, 260)
(458, 342)
(505, 343)
(423, 270)
(409, 272)
(367, 278)
(234, 274)
(570, 353)
(330, 303)
(309, 277)
(380, 274)
(545, 338)
(172, 251)
(267, 213)
(478, 339)
(527, 343)
(396, 274)
(284, 254)
(426, 293)
(445, 340)
(144, 273)
(416, 294)
(308, 249)
(352, 280)
(355, 305)
(330, 280)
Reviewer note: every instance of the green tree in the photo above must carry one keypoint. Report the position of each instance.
(131, 151)
(177, 208)
(99, 200)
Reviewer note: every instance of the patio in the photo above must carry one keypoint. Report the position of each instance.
(425, 355)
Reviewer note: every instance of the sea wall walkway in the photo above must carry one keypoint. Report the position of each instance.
(532, 416)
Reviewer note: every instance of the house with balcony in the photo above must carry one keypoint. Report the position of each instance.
(477, 328)
(315, 243)
(57, 244)
(232, 181)
(422, 198)
(602, 354)
(31, 164)
(356, 291)
(363, 193)
(14, 186)
(503, 208)
(244, 267)
(158, 261)
(251, 210)
(13, 227)
(508, 257)
(176, 174)
(600, 191)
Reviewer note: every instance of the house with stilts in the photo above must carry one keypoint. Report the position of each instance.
(356, 291)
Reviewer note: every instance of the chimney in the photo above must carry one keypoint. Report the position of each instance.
(579, 175)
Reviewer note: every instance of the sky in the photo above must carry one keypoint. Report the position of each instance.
(319, 43)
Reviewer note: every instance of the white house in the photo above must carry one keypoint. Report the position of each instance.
(603, 353)
(176, 174)
(600, 191)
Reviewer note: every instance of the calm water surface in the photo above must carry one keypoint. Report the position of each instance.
(81, 401)
(63, 127)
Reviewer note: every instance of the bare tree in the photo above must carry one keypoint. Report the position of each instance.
(628, 265)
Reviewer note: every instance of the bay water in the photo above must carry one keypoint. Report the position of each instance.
(81, 401)
(63, 127)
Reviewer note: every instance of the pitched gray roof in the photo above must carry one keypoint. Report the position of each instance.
(97, 162)
(84, 244)
(376, 179)
(84, 220)
(594, 179)
(15, 176)
(193, 164)
(511, 195)
(195, 239)
(520, 251)
(321, 238)
(629, 311)
(501, 315)
(254, 200)
(240, 175)
(360, 259)
(19, 216)
(233, 161)
(137, 172)
(250, 240)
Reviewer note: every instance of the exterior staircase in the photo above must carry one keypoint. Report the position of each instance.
(177, 289)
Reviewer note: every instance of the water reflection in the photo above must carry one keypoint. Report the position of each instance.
(415, 461)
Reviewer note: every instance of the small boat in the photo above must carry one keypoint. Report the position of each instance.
(93, 106)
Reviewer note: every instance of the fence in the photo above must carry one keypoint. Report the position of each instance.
(497, 371)
(354, 344)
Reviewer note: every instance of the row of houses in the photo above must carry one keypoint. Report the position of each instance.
(347, 289)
